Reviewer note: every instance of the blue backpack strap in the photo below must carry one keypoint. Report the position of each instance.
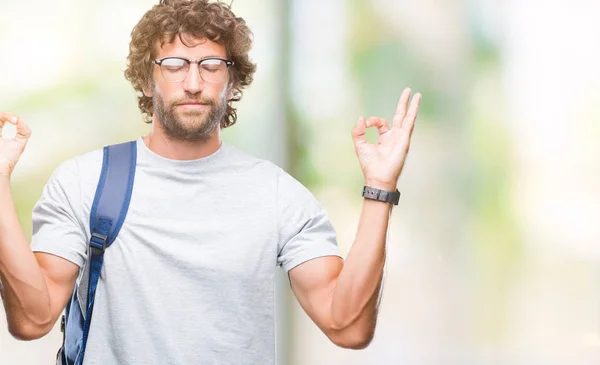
(109, 209)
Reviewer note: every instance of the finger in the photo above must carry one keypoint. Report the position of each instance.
(23, 132)
(401, 108)
(380, 123)
(6, 117)
(358, 132)
(409, 121)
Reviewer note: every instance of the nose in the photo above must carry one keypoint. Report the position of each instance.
(193, 83)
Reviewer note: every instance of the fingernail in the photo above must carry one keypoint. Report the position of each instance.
(13, 119)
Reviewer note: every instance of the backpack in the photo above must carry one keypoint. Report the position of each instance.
(108, 212)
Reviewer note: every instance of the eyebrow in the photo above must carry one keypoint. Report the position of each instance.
(201, 58)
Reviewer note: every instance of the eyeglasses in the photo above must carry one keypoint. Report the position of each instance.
(176, 69)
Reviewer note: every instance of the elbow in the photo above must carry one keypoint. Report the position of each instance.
(352, 339)
(356, 344)
(28, 332)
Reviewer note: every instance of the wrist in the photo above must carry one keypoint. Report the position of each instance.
(379, 184)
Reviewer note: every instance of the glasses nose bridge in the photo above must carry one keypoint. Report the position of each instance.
(198, 70)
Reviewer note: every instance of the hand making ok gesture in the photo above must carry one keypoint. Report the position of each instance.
(11, 149)
(382, 162)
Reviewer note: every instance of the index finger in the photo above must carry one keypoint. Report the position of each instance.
(8, 117)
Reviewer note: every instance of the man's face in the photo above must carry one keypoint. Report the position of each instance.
(190, 110)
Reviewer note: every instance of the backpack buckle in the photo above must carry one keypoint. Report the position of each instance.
(98, 243)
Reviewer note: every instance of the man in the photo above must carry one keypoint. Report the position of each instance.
(190, 277)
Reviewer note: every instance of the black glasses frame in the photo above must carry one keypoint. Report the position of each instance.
(159, 61)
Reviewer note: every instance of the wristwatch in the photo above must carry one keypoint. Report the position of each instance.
(381, 195)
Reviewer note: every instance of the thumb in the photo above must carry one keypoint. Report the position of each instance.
(23, 132)
(358, 132)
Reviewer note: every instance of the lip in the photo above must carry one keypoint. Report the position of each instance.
(192, 105)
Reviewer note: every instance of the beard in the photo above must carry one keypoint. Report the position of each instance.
(190, 125)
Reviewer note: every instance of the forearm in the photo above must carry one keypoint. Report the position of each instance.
(22, 285)
(354, 299)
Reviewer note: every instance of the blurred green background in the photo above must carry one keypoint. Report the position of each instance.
(493, 251)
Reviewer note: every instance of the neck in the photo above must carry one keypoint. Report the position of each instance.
(158, 142)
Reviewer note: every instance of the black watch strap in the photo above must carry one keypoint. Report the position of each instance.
(381, 195)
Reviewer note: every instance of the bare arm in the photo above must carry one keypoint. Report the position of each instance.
(342, 297)
(34, 287)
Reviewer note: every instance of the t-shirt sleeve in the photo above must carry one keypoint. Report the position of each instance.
(55, 226)
(305, 231)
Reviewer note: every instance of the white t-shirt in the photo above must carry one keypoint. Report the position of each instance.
(190, 278)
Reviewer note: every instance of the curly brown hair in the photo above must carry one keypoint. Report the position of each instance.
(201, 19)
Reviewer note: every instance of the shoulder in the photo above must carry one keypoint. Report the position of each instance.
(243, 161)
(289, 189)
(73, 170)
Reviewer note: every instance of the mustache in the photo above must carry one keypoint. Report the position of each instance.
(206, 101)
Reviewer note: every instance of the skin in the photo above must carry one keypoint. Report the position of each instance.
(339, 296)
(190, 118)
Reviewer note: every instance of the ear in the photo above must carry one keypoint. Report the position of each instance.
(149, 92)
